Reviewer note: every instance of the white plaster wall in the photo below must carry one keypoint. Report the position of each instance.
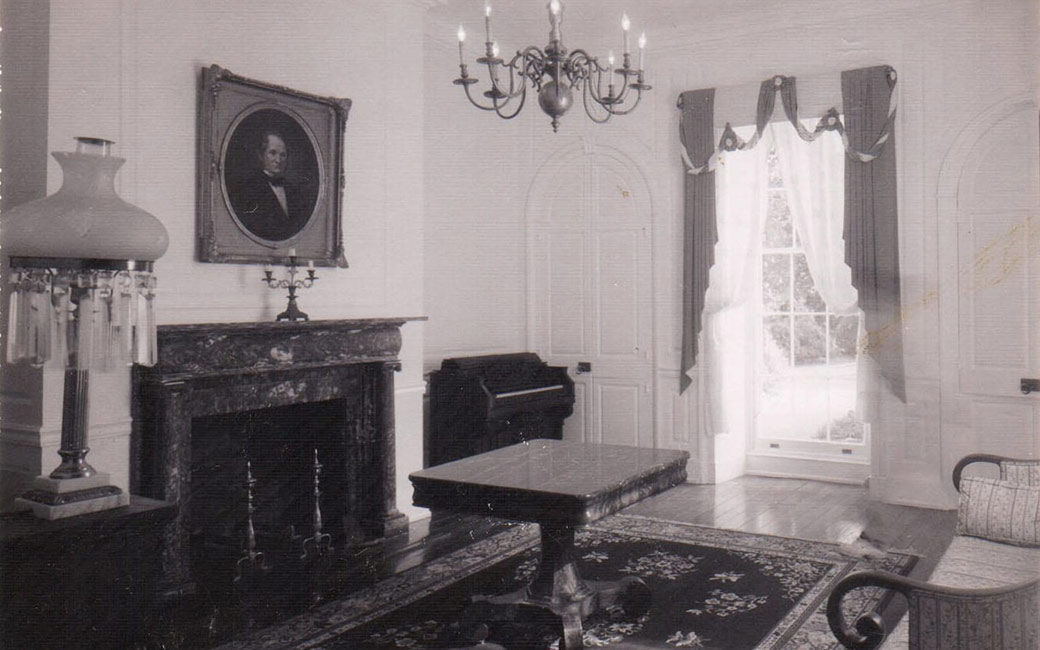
(954, 59)
(128, 71)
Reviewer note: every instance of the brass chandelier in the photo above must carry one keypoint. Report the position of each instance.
(555, 73)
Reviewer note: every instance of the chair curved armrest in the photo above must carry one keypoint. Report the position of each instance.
(868, 631)
(958, 469)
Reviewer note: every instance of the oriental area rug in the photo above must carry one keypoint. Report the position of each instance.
(711, 589)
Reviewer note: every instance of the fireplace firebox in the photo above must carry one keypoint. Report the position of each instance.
(275, 395)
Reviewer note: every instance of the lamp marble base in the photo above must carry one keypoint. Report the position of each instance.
(52, 498)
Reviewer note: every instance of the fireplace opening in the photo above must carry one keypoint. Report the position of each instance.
(280, 444)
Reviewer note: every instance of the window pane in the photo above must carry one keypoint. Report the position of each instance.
(776, 344)
(776, 282)
(810, 398)
(806, 298)
(844, 331)
(777, 416)
(810, 336)
(773, 165)
(778, 222)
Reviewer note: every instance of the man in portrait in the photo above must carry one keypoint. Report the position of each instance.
(267, 203)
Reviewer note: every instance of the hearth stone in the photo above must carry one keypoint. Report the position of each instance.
(224, 393)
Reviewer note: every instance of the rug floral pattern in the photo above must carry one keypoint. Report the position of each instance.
(712, 589)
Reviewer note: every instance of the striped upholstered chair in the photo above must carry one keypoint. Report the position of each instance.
(985, 592)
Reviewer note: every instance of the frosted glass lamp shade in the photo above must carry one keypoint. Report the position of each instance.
(80, 271)
(85, 219)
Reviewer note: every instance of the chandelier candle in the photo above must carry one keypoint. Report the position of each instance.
(487, 22)
(555, 73)
(462, 39)
(625, 24)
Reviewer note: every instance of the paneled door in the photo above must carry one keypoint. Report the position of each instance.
(992, 249)
(590, 294)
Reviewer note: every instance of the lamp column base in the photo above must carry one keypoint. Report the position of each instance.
(59, 498)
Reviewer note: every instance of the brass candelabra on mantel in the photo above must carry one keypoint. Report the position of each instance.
(292, 311)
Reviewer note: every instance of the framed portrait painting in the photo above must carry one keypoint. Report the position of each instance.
(270, 172)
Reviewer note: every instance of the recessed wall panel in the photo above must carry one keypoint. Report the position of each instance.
(619, 414)
(566, 293)
(618, 298)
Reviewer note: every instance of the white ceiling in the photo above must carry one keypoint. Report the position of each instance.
(595, 25)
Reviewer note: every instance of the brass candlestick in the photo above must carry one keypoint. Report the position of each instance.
(292, 312)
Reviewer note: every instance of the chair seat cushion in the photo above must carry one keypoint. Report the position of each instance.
(1000, 511)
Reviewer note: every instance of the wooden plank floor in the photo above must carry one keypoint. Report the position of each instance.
(826, 512)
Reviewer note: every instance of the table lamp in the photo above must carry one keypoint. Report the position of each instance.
(81, 299)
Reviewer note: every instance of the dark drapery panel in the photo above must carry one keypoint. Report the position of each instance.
(699, 233)
(871, 218)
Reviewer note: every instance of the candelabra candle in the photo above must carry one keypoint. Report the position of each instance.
(252, 558)
(290, 282)
(319, 544)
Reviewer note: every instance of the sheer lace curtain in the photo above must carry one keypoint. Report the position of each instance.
(814, 179)
(741, 182)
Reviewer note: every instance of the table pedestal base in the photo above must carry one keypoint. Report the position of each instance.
(559, 589)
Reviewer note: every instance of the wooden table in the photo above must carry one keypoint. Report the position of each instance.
(560, 486)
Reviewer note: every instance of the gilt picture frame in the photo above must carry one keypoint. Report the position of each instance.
(270, 172)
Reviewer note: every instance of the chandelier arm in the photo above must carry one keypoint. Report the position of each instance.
(597, 94)
(616, 100)
(516, 64)
(474, 102)
(623, 94)
(586, 93)
(579, 67)
(495, 84)
(493, 76)
(534, 65)
(579, 53)
(631, 108)
(523, 98)
(613, 105)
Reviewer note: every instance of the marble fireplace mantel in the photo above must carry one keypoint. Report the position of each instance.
(207, 370)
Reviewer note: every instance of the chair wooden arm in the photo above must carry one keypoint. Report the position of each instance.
(868, 631)
(984, 458)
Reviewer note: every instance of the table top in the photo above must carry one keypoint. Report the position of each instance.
(550, 481)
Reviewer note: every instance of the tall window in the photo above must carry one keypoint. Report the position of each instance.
(806, 361)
